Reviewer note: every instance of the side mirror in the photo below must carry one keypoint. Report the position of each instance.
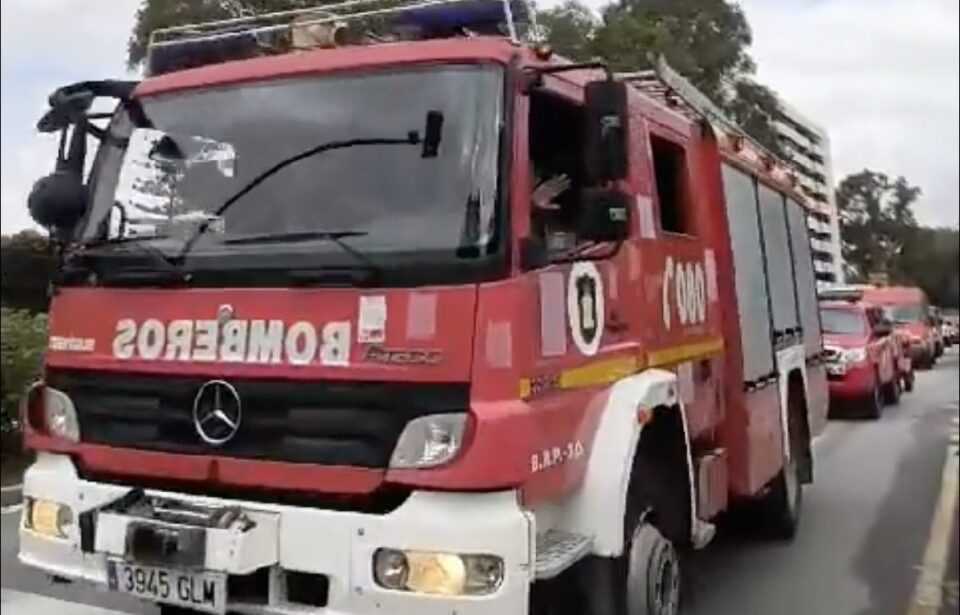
(58, 201)
(605, 215)
(606, 130)
(883, 328)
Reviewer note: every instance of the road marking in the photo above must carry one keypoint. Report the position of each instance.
(13, 508)
(11, 488)
(928, 595)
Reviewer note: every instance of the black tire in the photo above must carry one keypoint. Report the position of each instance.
(908, 381)
(779, 508)
(873, 405)
(653, 575)
(891, 392)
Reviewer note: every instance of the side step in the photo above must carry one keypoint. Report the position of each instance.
(558, 550)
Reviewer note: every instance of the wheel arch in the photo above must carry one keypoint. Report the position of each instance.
(645, 401)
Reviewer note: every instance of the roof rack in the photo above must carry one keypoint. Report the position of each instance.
(269, 25)
(670, 88)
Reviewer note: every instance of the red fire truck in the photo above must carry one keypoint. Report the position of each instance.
(411, 320)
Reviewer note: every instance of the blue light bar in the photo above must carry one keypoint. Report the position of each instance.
(442, 20)
(181, 55)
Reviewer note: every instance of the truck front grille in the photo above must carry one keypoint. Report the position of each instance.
(329, 423)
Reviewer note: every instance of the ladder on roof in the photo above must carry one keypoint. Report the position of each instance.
(670, 88)
(267, 25)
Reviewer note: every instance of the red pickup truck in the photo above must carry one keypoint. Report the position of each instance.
(862, 356)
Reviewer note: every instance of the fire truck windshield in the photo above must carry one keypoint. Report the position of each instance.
(159, 184)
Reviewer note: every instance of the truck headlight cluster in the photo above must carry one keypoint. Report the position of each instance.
(429, 572)
(853, 355)
(429, 441)
(60, 415)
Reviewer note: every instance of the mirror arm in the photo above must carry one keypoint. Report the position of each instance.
(533, 77)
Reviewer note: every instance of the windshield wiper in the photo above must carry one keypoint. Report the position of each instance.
(336, 237)
(169, 272)
(430, 143)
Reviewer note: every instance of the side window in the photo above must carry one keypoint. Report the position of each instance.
(556, 146)
(806, 284)
(671, 177)
(740, 196)
(776, 245)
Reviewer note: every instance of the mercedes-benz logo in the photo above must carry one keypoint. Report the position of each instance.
(216, 412)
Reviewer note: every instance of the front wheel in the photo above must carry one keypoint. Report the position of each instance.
(653, 579)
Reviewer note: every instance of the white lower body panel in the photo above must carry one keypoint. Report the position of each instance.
(338, 545)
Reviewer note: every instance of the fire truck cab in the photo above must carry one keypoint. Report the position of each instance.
(323, 342)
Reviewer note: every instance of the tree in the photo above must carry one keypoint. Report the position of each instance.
(876, 221)
(571, 28)
(704, 40)
(929, 259)
(28, 267)
(22, 340)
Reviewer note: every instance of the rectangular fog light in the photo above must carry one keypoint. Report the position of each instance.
(428, 572)
(47, 518)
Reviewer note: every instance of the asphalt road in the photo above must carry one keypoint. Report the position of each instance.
(865, 538)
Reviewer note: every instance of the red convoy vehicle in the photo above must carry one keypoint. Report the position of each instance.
(908, 308)
(312, 349)
(862, 356)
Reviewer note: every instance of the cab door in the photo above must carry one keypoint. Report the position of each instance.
(579, 336)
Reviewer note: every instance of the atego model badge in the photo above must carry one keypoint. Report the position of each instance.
(216, 412)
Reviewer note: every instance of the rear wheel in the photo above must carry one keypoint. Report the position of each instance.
(891, 392)
(779, 508)
(908, 381)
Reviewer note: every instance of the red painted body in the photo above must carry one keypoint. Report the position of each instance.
(491, 335)
(856, 380)
(919, 332)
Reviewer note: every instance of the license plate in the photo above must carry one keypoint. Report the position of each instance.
(200, 590)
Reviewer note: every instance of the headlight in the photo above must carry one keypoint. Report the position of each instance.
(47, 518)
(429, 441)
(853, 355)
(60, 415)
(428, 572)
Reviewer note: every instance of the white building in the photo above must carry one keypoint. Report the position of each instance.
(808, 149)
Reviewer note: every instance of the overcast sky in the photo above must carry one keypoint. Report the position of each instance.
(880, 75)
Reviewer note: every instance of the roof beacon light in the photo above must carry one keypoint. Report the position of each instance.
(307, 33)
